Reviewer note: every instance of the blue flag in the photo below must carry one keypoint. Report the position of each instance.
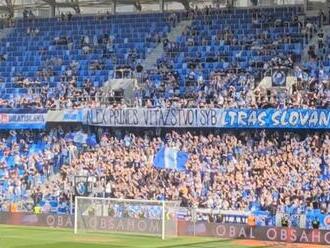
(170, 158)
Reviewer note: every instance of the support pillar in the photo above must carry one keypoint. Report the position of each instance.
(328, 12)
(162, 5)
(305, 6)
(10, 8)
(52, 10)
(114, 7)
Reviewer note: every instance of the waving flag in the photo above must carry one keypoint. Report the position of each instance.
(170, 158)
(80, 137)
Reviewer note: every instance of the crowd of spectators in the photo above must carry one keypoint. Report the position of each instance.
(286, 172)
(236, 90)
(236, 86)
(27, 160)
(246, 170)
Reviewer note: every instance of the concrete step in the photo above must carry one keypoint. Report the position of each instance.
(314, 42)
(157, 52)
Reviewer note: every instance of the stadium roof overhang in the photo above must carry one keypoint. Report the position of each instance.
(46, 8)
(12, 6)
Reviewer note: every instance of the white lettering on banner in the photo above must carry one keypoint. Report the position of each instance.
(284, 234)
(294, 118)
(293, 236)
(283, 119)
(60, 221)
(324, 119)
(275, 117)
(327, 237)
(316, 234)
(103, 223)
(223, 121)
(242, 233)
(241, 118)
(221, 230)
(234, 231)
(7, 120)
(26, 118)
(50, 220)
(142, 226)
(184, 228)
(261, 118)
(252, 118)
(213, 118)
(251, 233)
(303, 118)
(303, 237)
(231, 231)
(125, 225)
(271, 234)
(154, 227)
(314, 119)
(232, 116)
(68, 222)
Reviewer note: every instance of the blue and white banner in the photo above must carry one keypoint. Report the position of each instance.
(170, 158)
(68, 115)
(22, 121)
(72, 115)
(216, 118)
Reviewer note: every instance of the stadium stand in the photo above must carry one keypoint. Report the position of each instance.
(28, 159)
(55, 58)
(219, 61)
(249, 161)
(254, 171)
